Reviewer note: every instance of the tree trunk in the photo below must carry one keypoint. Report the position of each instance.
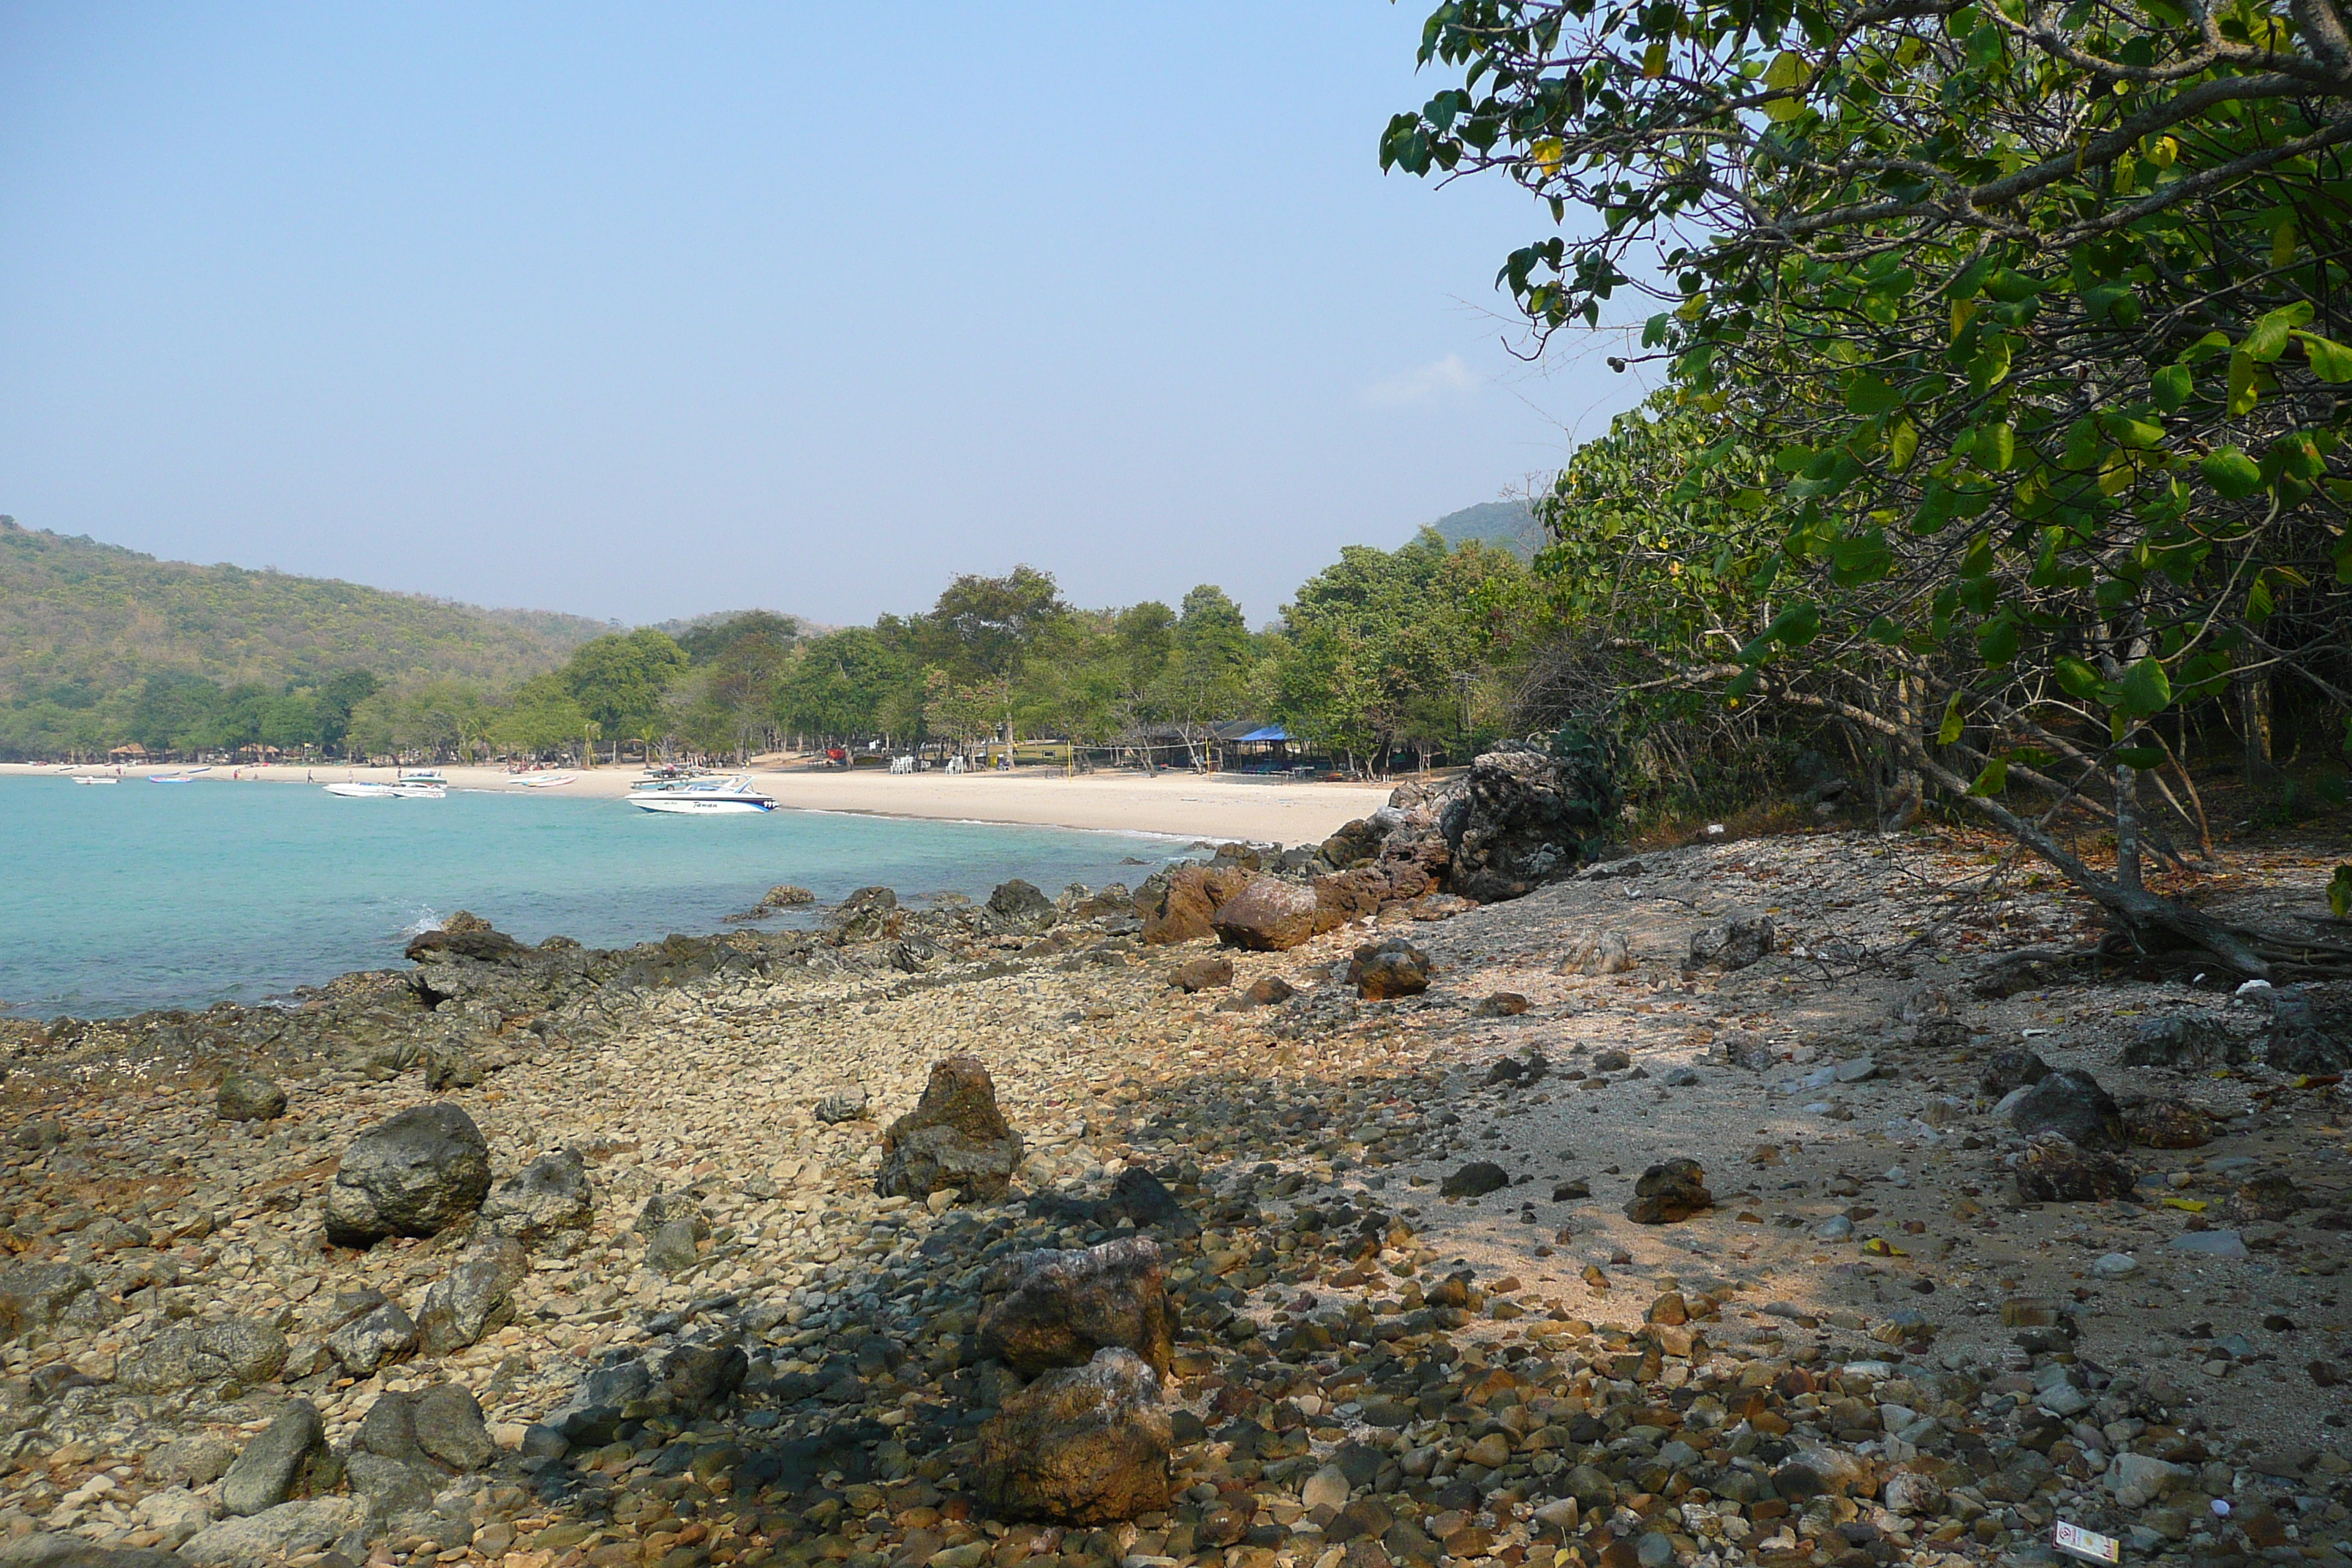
(2128, 829)
(2254, 724)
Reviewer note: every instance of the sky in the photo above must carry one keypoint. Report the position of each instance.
(646, 312)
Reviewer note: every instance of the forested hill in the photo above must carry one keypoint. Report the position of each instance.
(79, 619)
(1508, 524)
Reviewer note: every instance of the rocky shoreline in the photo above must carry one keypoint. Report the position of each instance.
(1368, 1242)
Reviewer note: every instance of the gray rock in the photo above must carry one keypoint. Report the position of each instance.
(388, 1430)
(449, 1427)
(671, 1248)
(47, 1550)
(1604, 952)
(1854, 1070)
(2138, 1479)
(847, 1106)
(1019, 908)
(474, 1296)
(272, 1464)
(1519, 818)
(382, 1333)
(1732, 945)
(1908, 1494)
(248, 1097)
(38, 1297)
(1837, 1227)
(2182, 1040)
(703, 1377)
(2310, 1030)
(231, 1350)
(547, 1205)
(416, 1174)
(2008, 1072)
(289, 1529)
(2116, 1266)
(192, 1461)
(2210, 1243)
(2072, 1104)
(1475, 1180)
(392, 1488)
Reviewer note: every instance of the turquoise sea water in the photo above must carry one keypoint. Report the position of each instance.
(118, 899)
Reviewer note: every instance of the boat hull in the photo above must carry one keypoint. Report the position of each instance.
(674, 806)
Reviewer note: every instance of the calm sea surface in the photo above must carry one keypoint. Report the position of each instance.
(116, 900)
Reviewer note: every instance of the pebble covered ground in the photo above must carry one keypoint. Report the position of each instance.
(1870, 1347)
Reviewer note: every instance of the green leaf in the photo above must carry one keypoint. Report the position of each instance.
(1902, 444)
(2232, 474)
(2145, 691)
(1993, 780)
(2245, 384)
(1866, 395)
(1996, 447)
(2173, 386)
(2140, 757)
(1997, 642)
(1796, 625)
(1950, 730)
(2269, 338)
(2079, 679)
(2127, 431)
(1989, 368)
(2340, 893)
(2330, 361)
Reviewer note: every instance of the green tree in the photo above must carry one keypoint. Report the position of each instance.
(619, 681)
(541, 715)
(848, 683)
(2036, 314)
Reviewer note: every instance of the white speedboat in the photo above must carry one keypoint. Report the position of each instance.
(425, 784)
(94, 779)
(702, 796)
(542, 781)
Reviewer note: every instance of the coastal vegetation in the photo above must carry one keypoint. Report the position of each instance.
(2004, 344)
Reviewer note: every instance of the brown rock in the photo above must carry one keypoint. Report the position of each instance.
(1388, 968)
(1061, 1307)
(1267, 990)
(1500, 1005)
(1084, 1445)
(1669, 1193)
(1269, 915)
(2166, 1124)
(1203, 974)
(2268, 1197)
(2054, 1170)
(1179, 908)
(955, 1137)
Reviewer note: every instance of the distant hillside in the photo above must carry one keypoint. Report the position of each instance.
(81, 617)
(1507, 523)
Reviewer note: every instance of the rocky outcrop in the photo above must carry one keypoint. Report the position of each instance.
(1059, 1307)
(1268, 915)
(1178, 905)
(869, 914)
(1084, 1445)
(1019, 908)
(1521, 819)
(955, 1137)
(415, 1175)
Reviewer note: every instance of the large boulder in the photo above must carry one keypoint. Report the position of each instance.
(869, 914)
(1084, 1445)
(465, 936)
(2183, 1040)
(287, 1459)
(416, 1174)
(2055, 1170)
(1020, 908)
(1268, 915)
(1733, 944)
(2072, 1104)
(1061, 1307)
(2310, 1030)
(1522, 819)
(955, 1137)
(37, 1298)
(227, 1350)
(1177, 906)
(1668, 1193)
(248, 1097)
(547, 1205)
(474, 1296)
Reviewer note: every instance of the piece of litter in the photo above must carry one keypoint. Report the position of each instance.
(2087, 1544)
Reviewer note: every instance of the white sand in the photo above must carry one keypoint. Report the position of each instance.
(1190, 805)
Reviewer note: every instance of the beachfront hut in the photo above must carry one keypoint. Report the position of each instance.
(133, 753)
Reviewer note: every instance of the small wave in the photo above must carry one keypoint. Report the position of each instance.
(425, 920)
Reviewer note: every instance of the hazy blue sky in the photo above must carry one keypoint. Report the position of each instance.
(651, 310)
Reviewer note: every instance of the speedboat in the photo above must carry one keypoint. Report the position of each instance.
(702, 796)
(94, 779)
(423, 785)
(542, 781)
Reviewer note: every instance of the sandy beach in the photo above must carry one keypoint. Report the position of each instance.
(1190, 806)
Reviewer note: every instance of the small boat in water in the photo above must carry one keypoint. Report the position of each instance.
(732, 794)
(424, 784)
(94, 779)
(542, 781)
